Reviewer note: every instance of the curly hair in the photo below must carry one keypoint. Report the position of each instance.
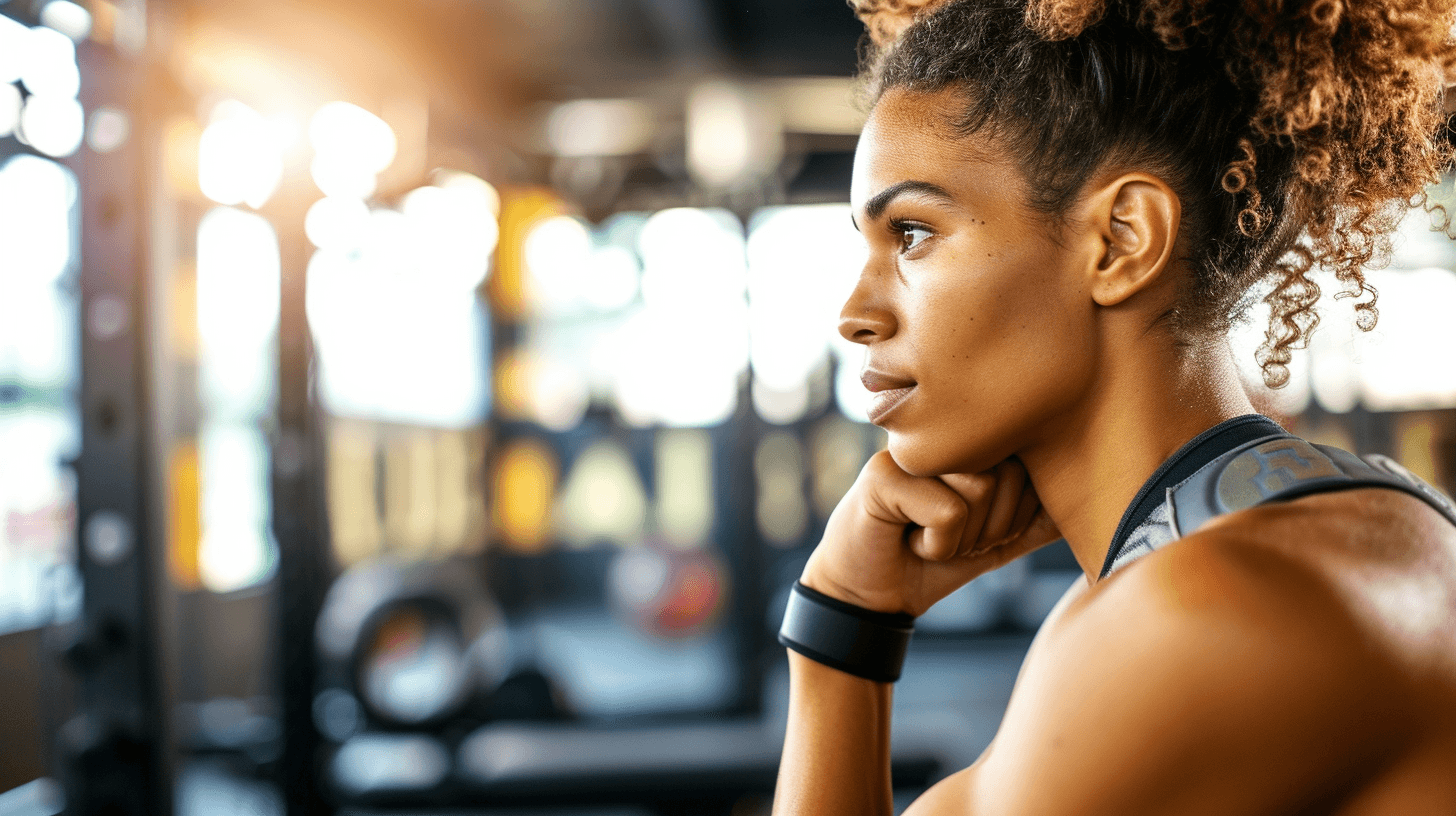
(1296, 133)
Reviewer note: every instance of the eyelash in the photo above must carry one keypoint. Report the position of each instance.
(903, 228)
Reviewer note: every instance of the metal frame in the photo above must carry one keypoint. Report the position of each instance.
(115, 751)
(299, 526)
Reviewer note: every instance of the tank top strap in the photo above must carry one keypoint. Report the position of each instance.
(1282, 467)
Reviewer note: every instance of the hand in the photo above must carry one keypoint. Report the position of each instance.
(899, 543)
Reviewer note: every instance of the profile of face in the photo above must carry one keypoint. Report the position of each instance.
(975, 311)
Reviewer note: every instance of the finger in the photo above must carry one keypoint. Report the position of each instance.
(1010, 486)
(937, 513)
(1025, 511)
(941, 539)
(977, 490)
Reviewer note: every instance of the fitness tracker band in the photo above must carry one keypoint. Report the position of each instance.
(843, 636)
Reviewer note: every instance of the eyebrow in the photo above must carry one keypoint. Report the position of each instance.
(876, 206)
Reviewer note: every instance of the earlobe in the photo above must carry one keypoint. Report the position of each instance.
(1136, 218)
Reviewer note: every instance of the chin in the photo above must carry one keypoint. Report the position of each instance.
(926, 458)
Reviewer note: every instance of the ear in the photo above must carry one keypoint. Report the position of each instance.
(1131, 226)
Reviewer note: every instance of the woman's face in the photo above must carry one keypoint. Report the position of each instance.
(978, 324)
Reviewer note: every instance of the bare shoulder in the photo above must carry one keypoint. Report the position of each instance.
(1275, 661)
(1378, 561)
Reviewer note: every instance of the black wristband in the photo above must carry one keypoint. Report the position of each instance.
(843, 636)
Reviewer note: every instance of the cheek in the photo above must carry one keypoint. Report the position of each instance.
(1019, 354)
(1006, 314)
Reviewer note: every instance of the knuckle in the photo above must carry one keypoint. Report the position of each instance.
(979, 488)
(951, 511)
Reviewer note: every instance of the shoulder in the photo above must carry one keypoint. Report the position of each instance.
(1229, 668)
(1374, 566)
(1360, 580)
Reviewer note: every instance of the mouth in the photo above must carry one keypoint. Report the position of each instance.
(889, 392)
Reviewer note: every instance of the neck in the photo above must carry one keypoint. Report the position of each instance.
(1090, 465)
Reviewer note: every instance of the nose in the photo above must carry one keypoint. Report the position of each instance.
(864, 319)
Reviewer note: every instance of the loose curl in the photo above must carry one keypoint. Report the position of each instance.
(1296, 133)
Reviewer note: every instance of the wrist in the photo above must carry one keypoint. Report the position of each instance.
(844, 636)
(875, 602)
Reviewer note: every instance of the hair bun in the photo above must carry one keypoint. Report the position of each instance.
(1063, 19)
(885, 19)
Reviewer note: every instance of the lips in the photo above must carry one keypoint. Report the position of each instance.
(889, 392)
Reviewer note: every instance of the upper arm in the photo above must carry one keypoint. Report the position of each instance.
(1217, 686)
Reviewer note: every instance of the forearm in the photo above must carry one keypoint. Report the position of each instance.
(837, 748)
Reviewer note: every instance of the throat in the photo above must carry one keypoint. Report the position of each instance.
(1099, 473)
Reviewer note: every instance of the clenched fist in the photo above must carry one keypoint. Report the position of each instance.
(899, 543)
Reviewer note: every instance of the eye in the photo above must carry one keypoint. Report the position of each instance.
(912, 235)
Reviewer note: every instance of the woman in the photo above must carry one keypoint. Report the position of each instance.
(1066, 204)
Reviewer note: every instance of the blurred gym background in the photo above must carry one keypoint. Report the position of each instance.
(415, 408)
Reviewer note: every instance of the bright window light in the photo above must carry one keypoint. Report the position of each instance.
(237, 549)
(679, 357)
(67, 18)
(338, 224)
(354, 135)
(239, 159)
(557, 253)
(49, 64)
(611, 280)
(14, 49)
(802, 264)
(32, 444)
(691, 257)
(1334, 367)
(38, 332)
(454, 232)
(850, 394)
(38, 335)
(571, 276)
(1388, 369)
(397, 342)
(574, 271)
(53, 124)
(1416, 245)
(680, 369)
(1405, 363)
(237, 313)
(472, 188)
(340, 179)
(352, 146)
(37, 218)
